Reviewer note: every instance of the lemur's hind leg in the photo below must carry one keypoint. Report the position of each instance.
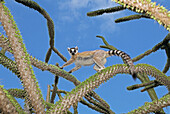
(98, 69)
(99, 60)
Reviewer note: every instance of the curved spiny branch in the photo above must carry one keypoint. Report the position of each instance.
(94, 81)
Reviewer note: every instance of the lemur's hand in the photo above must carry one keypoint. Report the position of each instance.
(70, 71)
(61, 67)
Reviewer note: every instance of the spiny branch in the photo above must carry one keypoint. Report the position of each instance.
(8, 104)
(18, 93)
(94, 81)
(155, 48)
(102, 11)
(167, 49)
(156, 12)
(150, 85)
(107, 44)
(54, 89)
(22, 60)
(153, 106)
(131, 17)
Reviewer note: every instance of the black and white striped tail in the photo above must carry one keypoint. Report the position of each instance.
(126, 58)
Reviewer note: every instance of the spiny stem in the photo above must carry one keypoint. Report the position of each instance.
(131, 17)
(108, 10)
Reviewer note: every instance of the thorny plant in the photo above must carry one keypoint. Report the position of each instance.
(22, 66)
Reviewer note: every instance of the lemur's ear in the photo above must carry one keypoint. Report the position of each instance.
(76, 48)
(68, 49)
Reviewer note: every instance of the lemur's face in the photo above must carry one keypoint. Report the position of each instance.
(73, 51)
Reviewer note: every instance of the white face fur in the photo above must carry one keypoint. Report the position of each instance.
(73, 51)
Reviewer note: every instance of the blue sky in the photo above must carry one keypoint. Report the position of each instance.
(74, 28)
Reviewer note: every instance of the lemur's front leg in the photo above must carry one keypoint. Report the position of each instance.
(68, 63)
(75, 68)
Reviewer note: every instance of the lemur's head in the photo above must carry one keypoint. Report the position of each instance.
(73, 51)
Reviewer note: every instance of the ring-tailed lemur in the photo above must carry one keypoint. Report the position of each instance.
(97, 57)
